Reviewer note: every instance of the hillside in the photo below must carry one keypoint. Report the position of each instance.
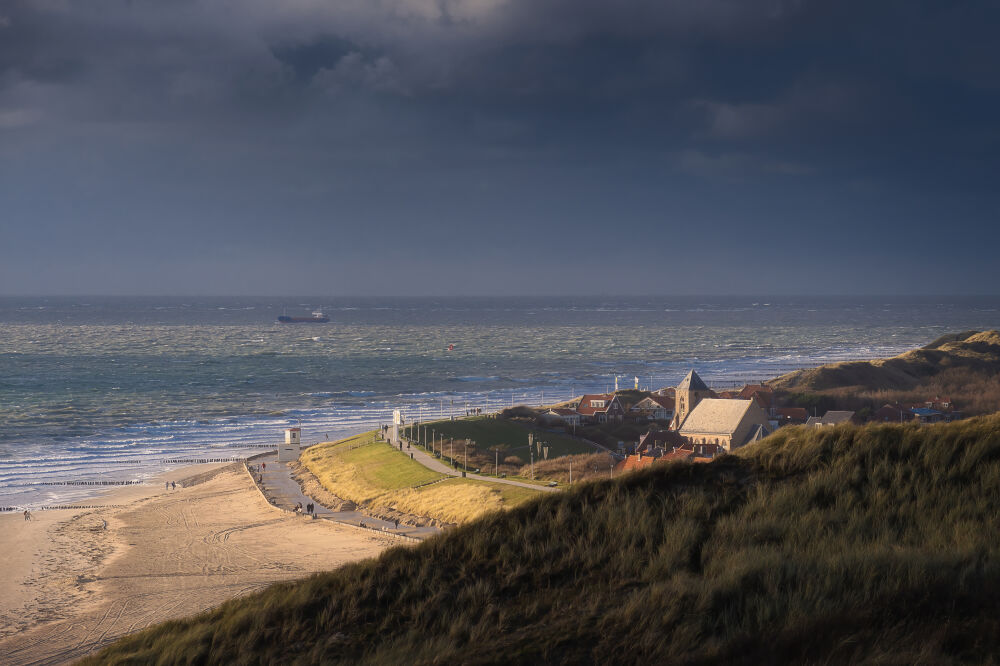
(832, 545)
(972, 352)
(387, 483)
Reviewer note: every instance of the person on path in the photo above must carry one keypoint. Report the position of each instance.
(397, 523)
(263, 466)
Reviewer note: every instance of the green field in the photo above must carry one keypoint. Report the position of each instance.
(509, 436)
(381, 466)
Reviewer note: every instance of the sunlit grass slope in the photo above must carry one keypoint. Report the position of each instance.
(834, 545)
(375, 475)
(359, 469)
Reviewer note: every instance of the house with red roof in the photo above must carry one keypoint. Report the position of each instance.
(653, 408)
(762, 393)
(601, 408)
(697, 453)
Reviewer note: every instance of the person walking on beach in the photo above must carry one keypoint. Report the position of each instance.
(166, 485)
(173, 485)
(27, 515)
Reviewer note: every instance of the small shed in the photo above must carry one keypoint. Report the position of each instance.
(289, 450)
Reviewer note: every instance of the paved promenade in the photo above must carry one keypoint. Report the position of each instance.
(432, 463)
(285, 492)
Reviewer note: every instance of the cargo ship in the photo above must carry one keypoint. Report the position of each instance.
(317, 318)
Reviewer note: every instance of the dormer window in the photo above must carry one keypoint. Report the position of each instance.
(597, 403)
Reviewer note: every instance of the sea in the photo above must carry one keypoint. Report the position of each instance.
(97, 392)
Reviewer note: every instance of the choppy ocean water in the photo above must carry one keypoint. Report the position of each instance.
(118, 389)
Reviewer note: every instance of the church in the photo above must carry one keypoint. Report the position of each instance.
(701, 418)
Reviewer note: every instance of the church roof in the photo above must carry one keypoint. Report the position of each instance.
(757, 433)
(715, 416)
(692, 383)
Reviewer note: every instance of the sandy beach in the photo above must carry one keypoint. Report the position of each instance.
(76, 579)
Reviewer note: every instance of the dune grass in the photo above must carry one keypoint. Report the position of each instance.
(834, 545)
(457, 500)
(375, 475)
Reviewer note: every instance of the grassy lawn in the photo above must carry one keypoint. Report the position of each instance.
(489, 433)
(373, 474)
(361, 470)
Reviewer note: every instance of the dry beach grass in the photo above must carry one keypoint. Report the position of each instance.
(834, 545)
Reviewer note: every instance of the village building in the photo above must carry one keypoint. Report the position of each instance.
(567, 417)
(791, 415)
(687, 395)
(892, 414)
(729, 424)
(927, 415)
(697, 453)
(831, 418)
(659, 441)
(762, 393)
(653, 408)
(601, 408)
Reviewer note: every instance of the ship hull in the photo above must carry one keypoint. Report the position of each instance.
(303, 320)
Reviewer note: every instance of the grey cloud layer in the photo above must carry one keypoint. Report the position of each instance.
(536, 115)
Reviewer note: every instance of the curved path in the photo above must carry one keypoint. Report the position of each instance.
(284, 492)
(432, 463)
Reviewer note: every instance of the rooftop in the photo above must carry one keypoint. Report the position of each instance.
(692, 383)
(715, 416)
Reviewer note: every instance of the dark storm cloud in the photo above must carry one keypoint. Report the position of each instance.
(440, 122)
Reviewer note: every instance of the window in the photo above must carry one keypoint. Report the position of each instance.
(597, 404)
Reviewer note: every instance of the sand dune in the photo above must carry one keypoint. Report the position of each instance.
(72, 585)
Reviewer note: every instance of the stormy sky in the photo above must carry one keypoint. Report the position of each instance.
(439, 147)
